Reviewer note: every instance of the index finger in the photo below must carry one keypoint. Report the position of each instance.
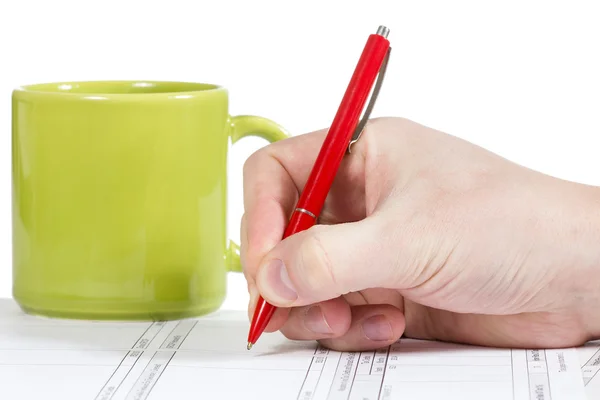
(273, 178)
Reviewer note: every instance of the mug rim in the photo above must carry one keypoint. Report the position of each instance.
(99, 89)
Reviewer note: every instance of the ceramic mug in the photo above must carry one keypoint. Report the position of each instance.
(120, 195)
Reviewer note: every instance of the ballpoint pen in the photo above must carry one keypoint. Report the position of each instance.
(344, 131)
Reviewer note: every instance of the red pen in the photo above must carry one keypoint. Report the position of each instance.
(344, 131)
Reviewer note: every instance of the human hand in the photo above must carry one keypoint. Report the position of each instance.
(426, 235)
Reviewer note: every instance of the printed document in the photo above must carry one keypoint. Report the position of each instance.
(589, 357)
(206, 358)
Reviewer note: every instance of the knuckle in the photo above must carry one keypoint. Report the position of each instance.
(253, 161)
(249, 165)
(379, 134)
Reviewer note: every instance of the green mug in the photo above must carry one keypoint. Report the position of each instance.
(120, 197)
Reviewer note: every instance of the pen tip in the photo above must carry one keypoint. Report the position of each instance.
(249, 346)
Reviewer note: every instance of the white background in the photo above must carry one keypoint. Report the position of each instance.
(520, 78)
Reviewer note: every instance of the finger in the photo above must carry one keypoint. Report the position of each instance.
(244, 249)
(325, 262)
(328, 319)
(266, 208)
(273, 178)
(332, 318)
(373, 326)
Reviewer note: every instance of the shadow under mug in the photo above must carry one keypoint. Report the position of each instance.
(120, 198)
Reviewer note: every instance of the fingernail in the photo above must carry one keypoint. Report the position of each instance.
(279, 281)
(377, 328)
(314, 321)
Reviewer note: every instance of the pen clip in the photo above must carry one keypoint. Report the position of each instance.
(361, 125)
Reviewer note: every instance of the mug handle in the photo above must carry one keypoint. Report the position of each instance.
(243, 126)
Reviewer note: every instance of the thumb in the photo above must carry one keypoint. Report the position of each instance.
(322, 263)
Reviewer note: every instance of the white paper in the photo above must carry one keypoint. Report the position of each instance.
(589, 358)
(206, 358)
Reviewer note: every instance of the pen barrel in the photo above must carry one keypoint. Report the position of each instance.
(299, 221)
(344, 123)
(329, 158)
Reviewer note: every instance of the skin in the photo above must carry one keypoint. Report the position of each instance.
(423, 235)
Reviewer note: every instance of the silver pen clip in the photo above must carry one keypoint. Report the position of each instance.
(361, 125)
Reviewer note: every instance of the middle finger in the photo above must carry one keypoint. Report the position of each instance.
(327, 319)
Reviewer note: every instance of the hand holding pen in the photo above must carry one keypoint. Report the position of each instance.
(337, 142)
(423, 234)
